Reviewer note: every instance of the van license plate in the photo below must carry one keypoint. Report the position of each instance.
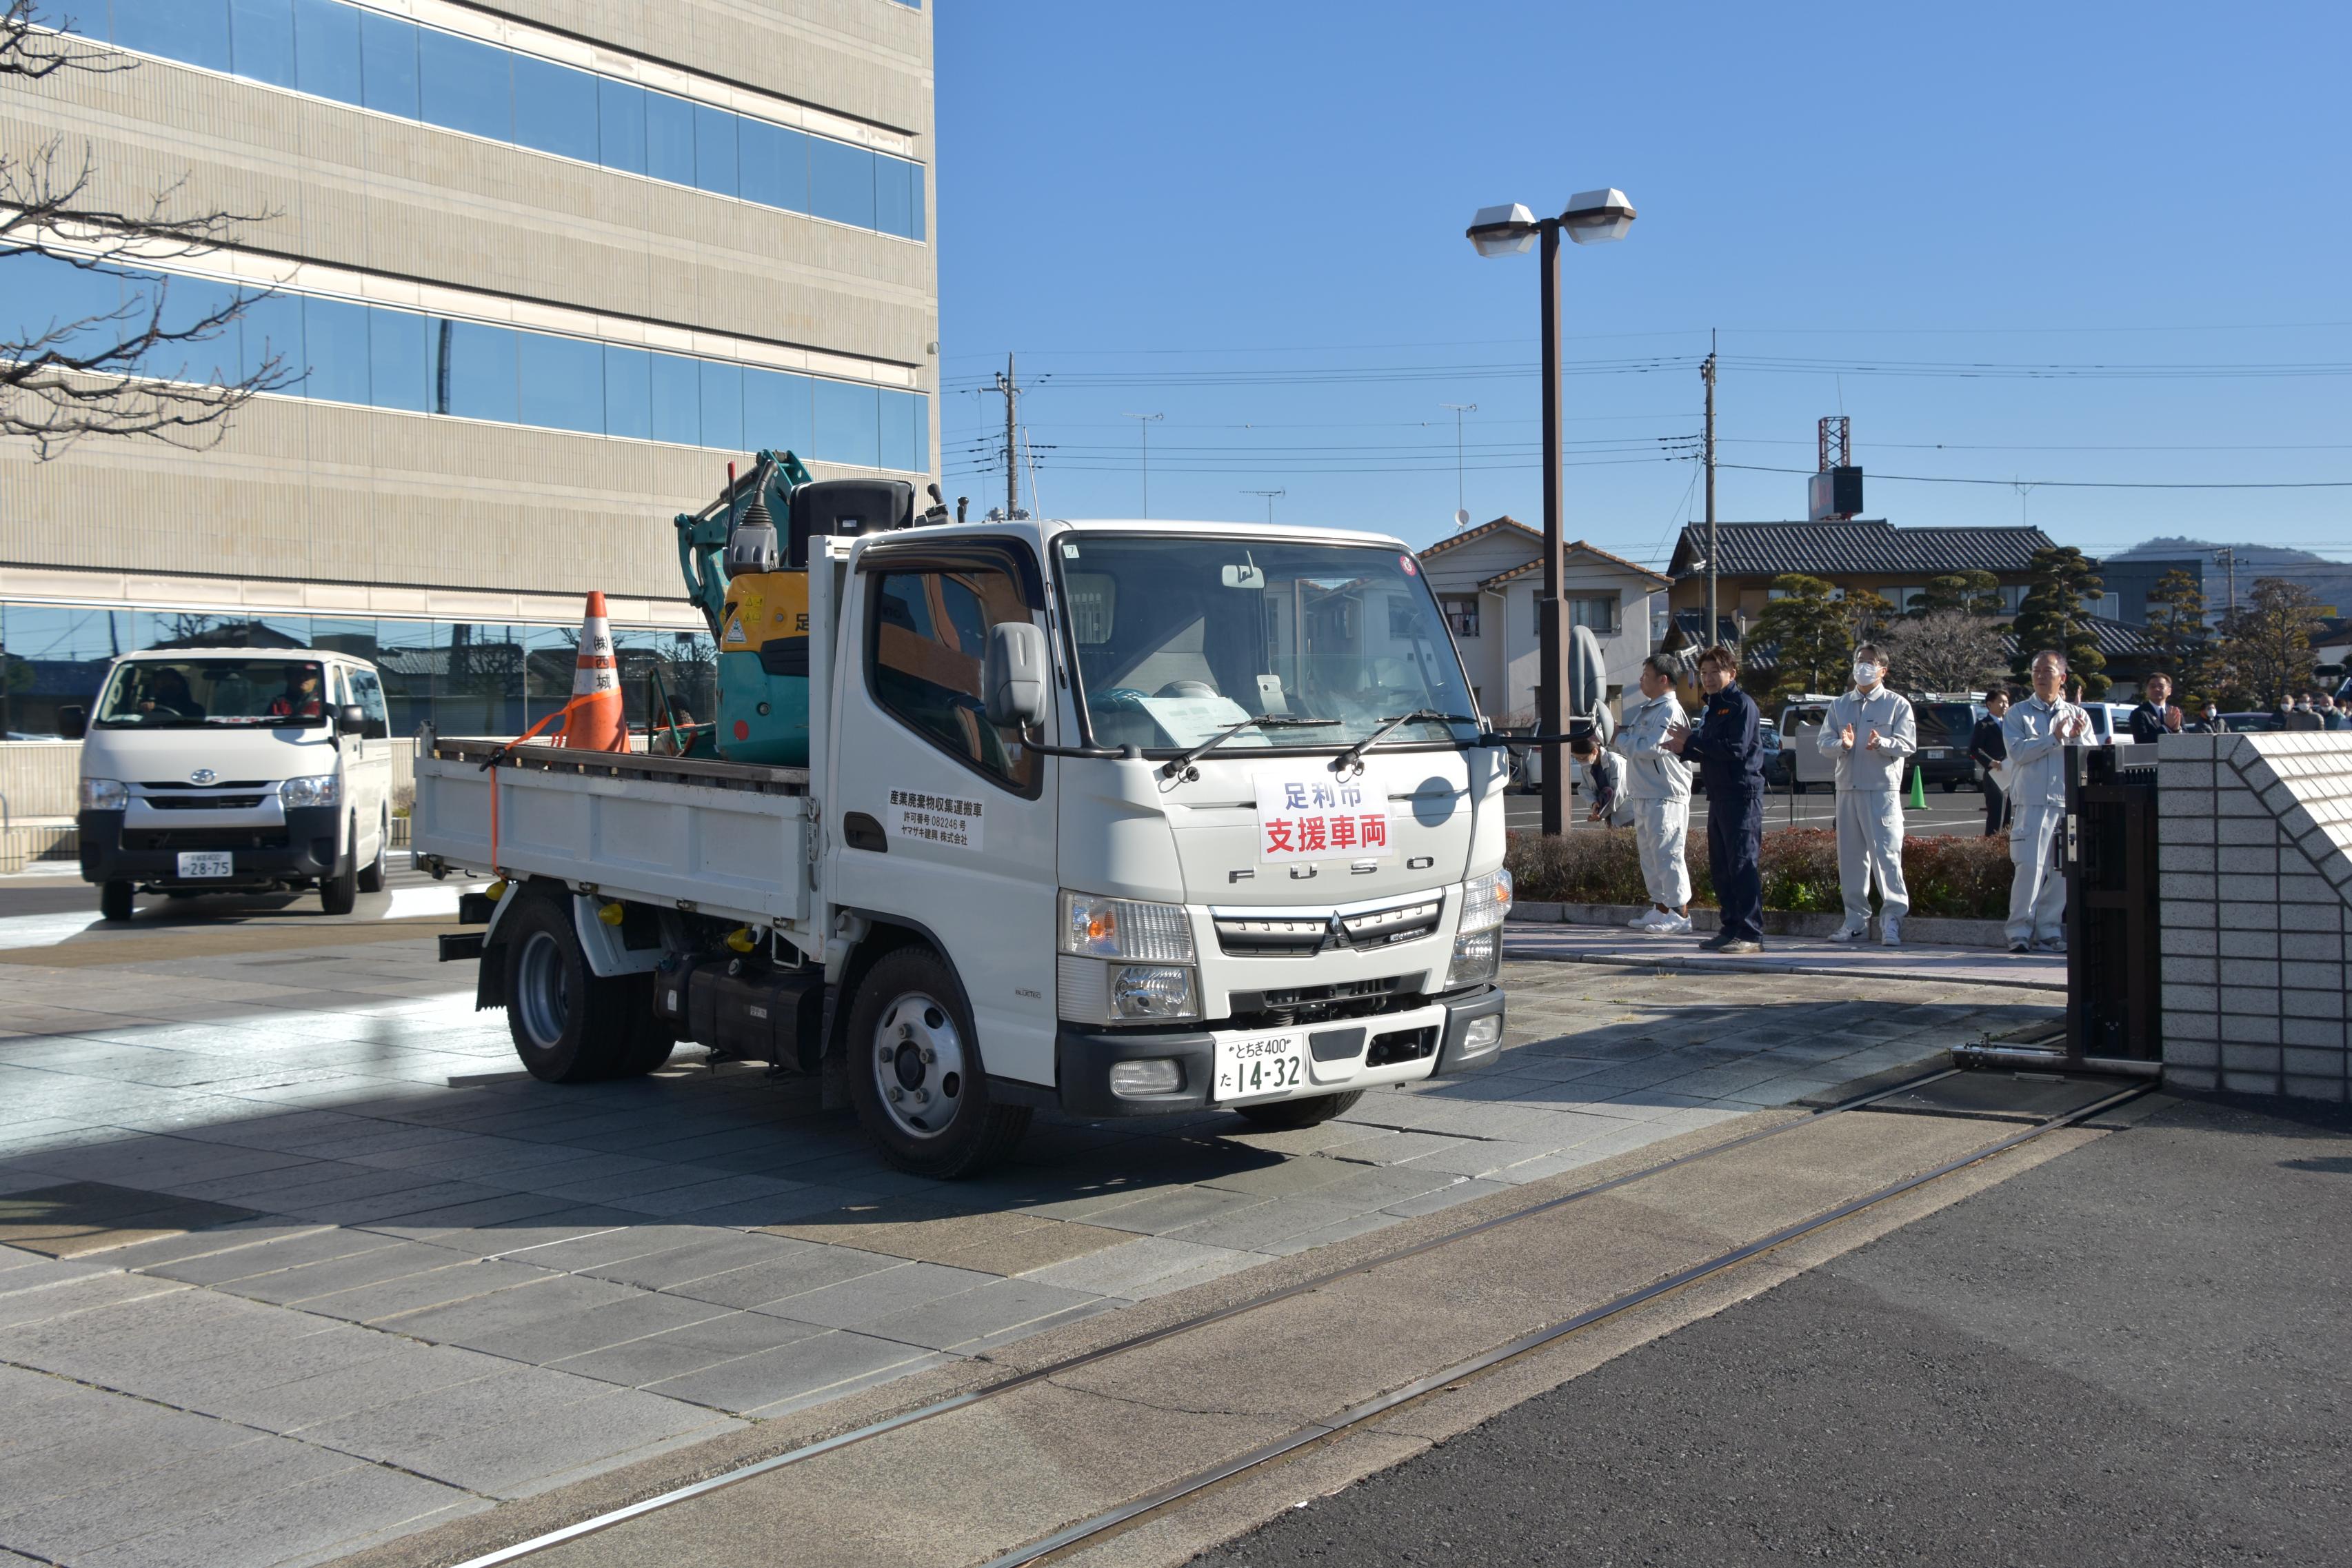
(207, 863)
(1259, 1066)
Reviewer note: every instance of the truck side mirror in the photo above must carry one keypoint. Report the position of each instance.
(1012, 679)
(73, 721)
(350, 718)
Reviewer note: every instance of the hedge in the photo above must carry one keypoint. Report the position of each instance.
(1961, 877)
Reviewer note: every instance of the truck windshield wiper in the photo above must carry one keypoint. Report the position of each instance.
(1354, 755)
(1176, 765)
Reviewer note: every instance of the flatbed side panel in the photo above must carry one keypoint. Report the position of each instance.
(725, 851)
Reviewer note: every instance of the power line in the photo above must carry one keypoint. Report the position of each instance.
(2087, 484)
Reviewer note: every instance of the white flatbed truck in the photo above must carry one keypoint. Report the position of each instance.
(1121, 818)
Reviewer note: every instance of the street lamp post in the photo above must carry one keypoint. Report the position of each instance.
(1592, 218)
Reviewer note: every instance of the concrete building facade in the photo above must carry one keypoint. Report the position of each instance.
(545, 269)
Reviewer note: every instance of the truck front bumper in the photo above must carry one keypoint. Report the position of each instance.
(1083, 1057)
(305, 848)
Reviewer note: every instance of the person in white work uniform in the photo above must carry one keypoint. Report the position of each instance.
(2034, 731)
(1869, 735)
(1658, 784)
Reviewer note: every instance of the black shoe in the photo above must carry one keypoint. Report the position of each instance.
(1716, 943)
(2019, 947)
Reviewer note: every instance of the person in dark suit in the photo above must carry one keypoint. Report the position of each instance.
(1990, 752)
(1731, 760)
(2155, 717)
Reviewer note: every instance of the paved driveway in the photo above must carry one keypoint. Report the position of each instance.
(296, 1259)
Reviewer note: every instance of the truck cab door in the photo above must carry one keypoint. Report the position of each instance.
(937, 819)
(367, 759)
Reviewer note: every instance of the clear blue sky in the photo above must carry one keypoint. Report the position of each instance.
(1248, 217)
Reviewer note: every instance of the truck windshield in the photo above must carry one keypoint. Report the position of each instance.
(1178, 639)
(186, 693)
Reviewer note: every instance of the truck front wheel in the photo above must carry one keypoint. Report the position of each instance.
(915, 1072)
(569, 1026)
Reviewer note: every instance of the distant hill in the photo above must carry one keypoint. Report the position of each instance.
(2330, 580)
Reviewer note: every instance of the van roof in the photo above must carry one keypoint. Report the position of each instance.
(291, 655)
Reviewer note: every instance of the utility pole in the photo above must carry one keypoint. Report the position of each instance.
(1707, 374)
(1461, 507)
(2229, 557)
(1269, 496)
(1011, 391)
(1143, 424)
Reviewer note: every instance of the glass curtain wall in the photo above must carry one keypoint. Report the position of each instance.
(462, 677)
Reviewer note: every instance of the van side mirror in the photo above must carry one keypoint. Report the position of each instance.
(350, 718)
(73, 720)
(1013, 678)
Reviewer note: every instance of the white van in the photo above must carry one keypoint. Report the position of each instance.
(209, 769)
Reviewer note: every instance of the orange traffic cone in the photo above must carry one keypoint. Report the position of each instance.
(594, 719)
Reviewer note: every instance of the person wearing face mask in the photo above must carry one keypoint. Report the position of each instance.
(1659, 786)
(1731, 757)
(2036, 731)
(1868, 734)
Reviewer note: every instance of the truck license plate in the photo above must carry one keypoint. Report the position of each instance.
(1254, 1067)
(207, 863)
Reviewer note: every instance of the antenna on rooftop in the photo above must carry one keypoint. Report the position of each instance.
(1834, 492)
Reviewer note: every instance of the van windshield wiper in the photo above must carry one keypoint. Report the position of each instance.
(1175, 765)
(1354, 757)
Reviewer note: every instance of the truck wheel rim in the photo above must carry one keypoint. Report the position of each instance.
(917, 1060)
(545, 1000)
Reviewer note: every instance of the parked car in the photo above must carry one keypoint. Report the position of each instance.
(1945, 728)
(2250, 724)
(207, 770)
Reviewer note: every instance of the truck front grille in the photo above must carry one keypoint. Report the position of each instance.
(1294, 933)
(204, 802)
(205, 838)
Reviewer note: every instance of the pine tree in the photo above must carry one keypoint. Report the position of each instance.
(2267, 641)
(1810, 629)
(2052, 616)
(1976, 593)
(2176, 625)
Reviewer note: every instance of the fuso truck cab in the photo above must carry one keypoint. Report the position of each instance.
(1119, 818)
(212, 770)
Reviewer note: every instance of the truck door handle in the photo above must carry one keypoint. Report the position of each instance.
(860, 831)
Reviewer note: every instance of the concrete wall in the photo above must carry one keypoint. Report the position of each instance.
(2255, 861)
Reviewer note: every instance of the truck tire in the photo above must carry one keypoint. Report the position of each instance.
(340, 893)
(114, 901)
(569, 1026)
(372, 874)
(1284, 1115)
(915, 1072)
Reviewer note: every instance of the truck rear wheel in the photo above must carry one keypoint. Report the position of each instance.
(915, 1072)
(114, 901)
(1284, 1115)
(569, 1025)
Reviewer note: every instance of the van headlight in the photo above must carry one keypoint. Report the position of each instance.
(105, 794)
(318, 789)
(1477, 957)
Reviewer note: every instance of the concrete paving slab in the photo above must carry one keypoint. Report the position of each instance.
(805, 1369)
(344, 1509)
(634, 1316)
(675, 1353)
(546, 1298)
(982, 1314)
(856, 1302)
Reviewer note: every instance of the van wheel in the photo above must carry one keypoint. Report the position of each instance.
(372, 874)
(569, 1025)
(915, 1072)
(114, 901)
(340, 893)
(1951, 787)
(1286, 1114)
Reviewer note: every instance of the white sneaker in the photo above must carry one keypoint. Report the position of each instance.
(2056, 944)
(1672, 924)
(1647, 920)
(1890, 933)
(1846, 933)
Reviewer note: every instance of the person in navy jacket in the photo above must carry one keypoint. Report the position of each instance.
(1730, 756)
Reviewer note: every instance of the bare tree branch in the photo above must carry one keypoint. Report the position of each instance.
(127, 370)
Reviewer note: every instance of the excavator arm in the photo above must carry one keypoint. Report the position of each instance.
(702, 535)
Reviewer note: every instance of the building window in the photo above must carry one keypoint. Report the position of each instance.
(360, 56)
(1461, 613)
(1598, 612)
(380, 357)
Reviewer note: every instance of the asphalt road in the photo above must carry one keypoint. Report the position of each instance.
(1960, 812)
(2138, 1354)
(38, 909)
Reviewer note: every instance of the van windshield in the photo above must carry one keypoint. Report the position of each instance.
(187, 693)
(1179, 639)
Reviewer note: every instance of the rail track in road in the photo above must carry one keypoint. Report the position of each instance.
(2091, 1097)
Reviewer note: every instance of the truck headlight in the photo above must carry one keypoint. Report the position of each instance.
(1088, 991)
(1098, 927)
(104, 795)
(318, 789)
(1486, 901)
(1477, 957)
(1146, 991)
